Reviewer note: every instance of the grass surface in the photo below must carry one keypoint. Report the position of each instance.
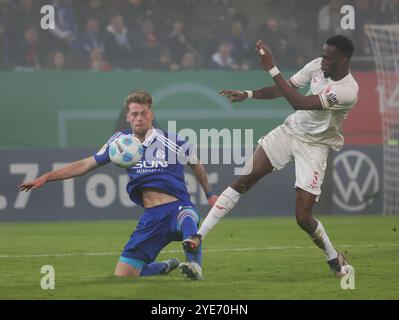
(254, 258)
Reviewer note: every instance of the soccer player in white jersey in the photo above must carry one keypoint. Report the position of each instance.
(306, 137)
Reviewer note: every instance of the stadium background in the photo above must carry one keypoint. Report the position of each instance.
(74, 101)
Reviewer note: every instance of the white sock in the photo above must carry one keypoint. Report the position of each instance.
(224, 204)
(321, 240)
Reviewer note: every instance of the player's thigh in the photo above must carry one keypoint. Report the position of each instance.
(273, 153)
(310, 167)
(144, 245)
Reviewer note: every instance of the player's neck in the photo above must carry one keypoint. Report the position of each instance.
(339, 75)
(144, 136)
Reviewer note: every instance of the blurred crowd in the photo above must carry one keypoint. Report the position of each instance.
(105, 35)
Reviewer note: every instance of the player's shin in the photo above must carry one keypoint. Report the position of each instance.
(224, 204)
(152, 269)
(320, 238)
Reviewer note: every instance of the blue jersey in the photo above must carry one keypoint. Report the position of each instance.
(161, 166)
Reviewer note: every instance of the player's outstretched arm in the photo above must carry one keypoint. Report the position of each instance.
(202, 177)
(265, 93)
(71, 170)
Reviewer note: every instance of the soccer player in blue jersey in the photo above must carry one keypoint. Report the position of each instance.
(157, 184)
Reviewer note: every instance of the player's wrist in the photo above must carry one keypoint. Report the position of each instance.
(274, 71)
(249, 93)
(209, 194)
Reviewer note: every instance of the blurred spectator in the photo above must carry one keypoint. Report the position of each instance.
(178, 43)
(119, 51)
(89, 39)
(56, 61)
(222, 59)
(27, 14)
(241, 49)
(165, 62)
(148, 45)
(97, 61)
(135, 12)
(284, 53)
(204, 40)
(189, 61)
(30, 53)
(93, 10)
(5, 53)
(217, 15)
(65, 31)
(386, 11)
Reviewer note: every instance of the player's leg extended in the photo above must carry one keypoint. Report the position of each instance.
(187, 222)
(187, 225)
(131, 268)
(258, 167)
(304, 205)
(310, 166)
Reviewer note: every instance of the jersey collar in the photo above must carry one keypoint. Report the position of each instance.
(150, 135)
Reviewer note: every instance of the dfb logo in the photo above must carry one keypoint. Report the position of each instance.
(348, 20)
(48, 20)
(48, 280)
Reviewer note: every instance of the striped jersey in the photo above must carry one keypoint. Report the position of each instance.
(161, 166)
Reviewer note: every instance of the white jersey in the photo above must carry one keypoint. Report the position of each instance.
(337, 97)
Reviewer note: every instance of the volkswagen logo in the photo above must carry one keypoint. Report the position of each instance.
(356, 180)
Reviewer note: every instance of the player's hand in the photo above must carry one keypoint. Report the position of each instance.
(234, 95)
(34, 184)
(212, 200)
(265, 56)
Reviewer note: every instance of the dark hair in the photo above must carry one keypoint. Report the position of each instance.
(140, 97)
(342, 43)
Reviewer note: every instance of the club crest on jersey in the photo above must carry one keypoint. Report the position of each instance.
(160, 154)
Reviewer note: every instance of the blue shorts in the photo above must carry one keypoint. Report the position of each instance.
(156, 228)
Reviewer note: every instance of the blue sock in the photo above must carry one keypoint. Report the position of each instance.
(152, 269)
(189, 228)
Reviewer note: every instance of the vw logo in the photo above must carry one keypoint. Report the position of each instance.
(356, 180)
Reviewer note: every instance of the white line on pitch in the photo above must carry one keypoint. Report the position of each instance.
(5, 256)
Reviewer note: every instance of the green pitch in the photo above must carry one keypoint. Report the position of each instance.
(255, 258)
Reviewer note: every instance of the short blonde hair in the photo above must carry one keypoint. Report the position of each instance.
(140, 97)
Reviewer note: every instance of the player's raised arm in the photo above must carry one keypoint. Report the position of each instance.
(296, 100)
(202, 177)
(71, 170)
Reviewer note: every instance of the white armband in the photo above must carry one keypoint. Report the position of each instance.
(274, 71)
(250, 93)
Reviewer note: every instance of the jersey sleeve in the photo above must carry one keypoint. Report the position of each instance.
(304, 76)
(339, 97)
(102, 155)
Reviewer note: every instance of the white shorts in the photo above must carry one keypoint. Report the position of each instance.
(310, 160)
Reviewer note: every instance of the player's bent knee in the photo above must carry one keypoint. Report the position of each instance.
(125, 270)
